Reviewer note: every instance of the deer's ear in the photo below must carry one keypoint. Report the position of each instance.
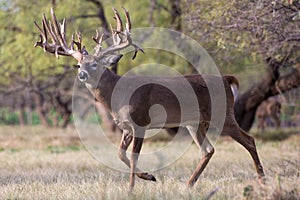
(111, 59)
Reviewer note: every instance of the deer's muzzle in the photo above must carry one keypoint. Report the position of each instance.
(83, 76)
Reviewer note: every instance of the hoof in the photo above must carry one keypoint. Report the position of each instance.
(152, 178)
(146, 176)
(190, 184)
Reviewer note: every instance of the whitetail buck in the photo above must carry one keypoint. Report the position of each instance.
(268, 108)
(133, 117)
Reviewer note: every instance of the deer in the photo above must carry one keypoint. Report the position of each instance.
(133, 117)
(268, 108)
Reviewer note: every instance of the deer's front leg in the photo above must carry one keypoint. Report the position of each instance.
(138, 138)
(124, 144)
(199, 137)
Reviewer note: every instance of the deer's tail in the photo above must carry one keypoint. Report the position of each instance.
(234, 84)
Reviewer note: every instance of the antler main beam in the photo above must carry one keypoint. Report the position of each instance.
(56, 32)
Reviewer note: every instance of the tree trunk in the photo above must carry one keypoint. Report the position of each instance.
(22, 106)
(176, 14)
(271, 85)
(39, 100)
(66, 119)
(63, 106)
(22, 119)
(287, 82)
(55, 118)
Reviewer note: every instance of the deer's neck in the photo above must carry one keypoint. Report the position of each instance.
(103, 91)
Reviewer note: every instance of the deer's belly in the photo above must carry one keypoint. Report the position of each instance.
(169, 123)
(156, 117)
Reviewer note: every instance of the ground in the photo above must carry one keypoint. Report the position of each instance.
(39, 163)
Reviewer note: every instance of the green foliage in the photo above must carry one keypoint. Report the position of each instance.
(242, 34)
(19, 58)
(211, 23)
(35, 120)
(8, 117)
(94, 119)
(203, 20)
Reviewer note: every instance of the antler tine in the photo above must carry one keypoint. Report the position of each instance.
(48, 29)
(79, 38)
(95, 38)
(72, 42)
(56, 28)
(128, 22)
(101, 39)
(119, 21)
(63, 33)
(44, 28)
(55, 39)
(121, 38)
(113, 33)
(39, 43)
(42, 36)
(98, 41)
(136, 50)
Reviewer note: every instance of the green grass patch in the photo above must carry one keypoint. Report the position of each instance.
(62, 149)
(14, 150)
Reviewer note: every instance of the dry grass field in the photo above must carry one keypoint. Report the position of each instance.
(36, 163)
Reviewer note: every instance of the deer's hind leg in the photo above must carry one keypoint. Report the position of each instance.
(124, 144)
(248, 142)
(199, 136)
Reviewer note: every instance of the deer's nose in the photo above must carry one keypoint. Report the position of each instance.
(83, 76)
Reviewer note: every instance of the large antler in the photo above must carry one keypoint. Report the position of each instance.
(56, 32)
(121, 38)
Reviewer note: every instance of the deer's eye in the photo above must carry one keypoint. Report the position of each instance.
(94, 66)
(76, 66)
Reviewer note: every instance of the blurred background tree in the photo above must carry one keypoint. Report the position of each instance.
(38, 84)
(242, 34)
